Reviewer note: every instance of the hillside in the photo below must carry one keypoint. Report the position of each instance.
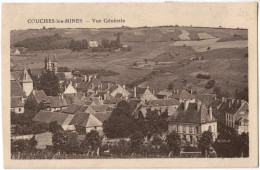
(170, 52)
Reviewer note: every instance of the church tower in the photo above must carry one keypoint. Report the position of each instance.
(26, 82)
(51, 63)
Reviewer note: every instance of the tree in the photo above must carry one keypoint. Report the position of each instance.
(174, 142)
(155, 122)
(122, 109)
(205, 143)
(118, 126)
(73, 145)
(170, 86)
(92, 142)
(50, 83)
(33, 142)
(54, 127)
(136, 141)
(210, 84)
(60, 139)
(105, 43)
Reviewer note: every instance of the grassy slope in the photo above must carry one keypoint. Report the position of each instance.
(153, 44)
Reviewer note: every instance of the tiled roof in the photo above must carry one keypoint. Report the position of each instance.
(48, 117)
(16, 89)
(16, 102)
(192, 115)
(205, 98)
(165, 93)
(100, 108)
(56, 101)
(24, 76)
(103, 116)
(73, 108)
(61, 76)
(164, 102)
(40, 95)
(183, 94)
(85, 120)
(93, 83)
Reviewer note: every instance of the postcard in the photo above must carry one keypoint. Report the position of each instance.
(130, 85)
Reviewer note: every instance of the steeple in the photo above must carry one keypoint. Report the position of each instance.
(26, 82)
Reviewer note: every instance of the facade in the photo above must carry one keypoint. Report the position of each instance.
(17, 105)
(192, 119)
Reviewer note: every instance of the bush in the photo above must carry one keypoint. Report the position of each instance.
(210, 84)
(203, 76)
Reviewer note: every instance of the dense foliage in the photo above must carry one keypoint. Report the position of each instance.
(44, 43)
(49, 83)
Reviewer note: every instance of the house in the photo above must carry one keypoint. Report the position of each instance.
(190, 120)
(168, 106)
(26, 82)
(17, 105)
(234, 114)
(207, 99)
(17, 90)
(36, 98)
(116, 90)
(183, 95)
(70, 90)
(85, 122)
(62, 119)
(143, 93)
(164, 94)
(54, 103)
(92, 44)
(90, 85)
(18, 51)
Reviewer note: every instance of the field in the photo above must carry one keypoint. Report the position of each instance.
(166, 49)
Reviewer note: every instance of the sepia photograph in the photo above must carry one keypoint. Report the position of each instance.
(116, 89)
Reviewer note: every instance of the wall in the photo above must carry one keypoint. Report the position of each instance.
(27, 87)
(16, 110)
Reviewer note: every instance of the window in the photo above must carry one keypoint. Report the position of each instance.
(197, 129)
(190, 129)
(20, 109)
(184, 129)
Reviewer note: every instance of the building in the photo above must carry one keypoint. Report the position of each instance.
(192, 119)
(17, 105)
(168, 106)
(26, 82)
(36, 98)
(143, 93)
(51, 64)
(85, 122)
(62, 119)
(92, 44)
(233, 114)
(183, 95)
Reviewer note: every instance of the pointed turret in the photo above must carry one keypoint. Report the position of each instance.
(26, 82)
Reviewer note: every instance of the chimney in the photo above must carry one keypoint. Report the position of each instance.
(84, 78)
(190, 91)
(198, 105)
(76, 84)
(134, 92)
(147, 87)
(105, 96)
(62, 97)
(223, 99)
(124, 86)
(95, 76)
(74, 77)
(229, 104)
(177, 91)
(215, 97)
(210, 113)
(186, 104)
(232, 100)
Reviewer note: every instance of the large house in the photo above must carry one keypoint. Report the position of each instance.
(191, 119)
(234, 114)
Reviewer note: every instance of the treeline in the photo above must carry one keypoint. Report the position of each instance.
(52, 42)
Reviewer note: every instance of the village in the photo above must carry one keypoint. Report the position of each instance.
(60, 112)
